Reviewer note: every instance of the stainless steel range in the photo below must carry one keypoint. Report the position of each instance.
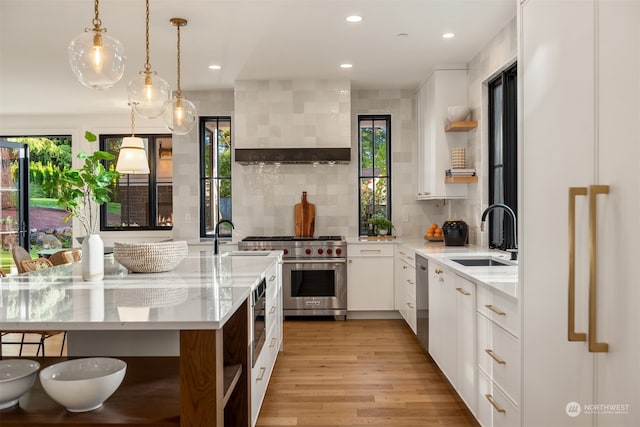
(314, 273)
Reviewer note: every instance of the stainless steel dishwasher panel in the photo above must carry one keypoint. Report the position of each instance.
(422, 301)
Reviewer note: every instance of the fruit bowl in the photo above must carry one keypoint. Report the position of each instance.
(82, 385)
(16, 378)
(458, 113)
(434, 238)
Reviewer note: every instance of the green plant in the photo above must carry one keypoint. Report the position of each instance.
(83, 190)
(381, 222)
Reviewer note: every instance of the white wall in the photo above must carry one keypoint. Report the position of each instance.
(497, 55)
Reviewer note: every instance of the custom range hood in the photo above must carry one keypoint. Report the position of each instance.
(292, 121)
(252, 156)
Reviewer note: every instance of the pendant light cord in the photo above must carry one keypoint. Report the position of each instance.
(133, 119)
(147, 65)
(179, 91)
(97, 23)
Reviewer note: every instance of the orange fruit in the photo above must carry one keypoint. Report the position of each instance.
(430, 233)
(434, 226)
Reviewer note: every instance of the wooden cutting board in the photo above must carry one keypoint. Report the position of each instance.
(305, 217)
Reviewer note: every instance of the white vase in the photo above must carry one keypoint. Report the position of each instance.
(92, 258)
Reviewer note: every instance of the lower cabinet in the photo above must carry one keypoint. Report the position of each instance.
(443, 339)
(261, 371)
(405, 285)
(370, 277)
(499, 361)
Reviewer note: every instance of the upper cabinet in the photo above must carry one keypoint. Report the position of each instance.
(443, 88)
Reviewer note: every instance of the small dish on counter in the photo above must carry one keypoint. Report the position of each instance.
(82, 385)
(434, 238)
(16, 378)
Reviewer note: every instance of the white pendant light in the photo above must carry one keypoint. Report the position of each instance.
(96, 59)
(132, 158)
(149, 93)
(181, 115)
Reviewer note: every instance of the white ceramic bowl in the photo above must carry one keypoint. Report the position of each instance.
(16, 378)
(458, 113)
(82, 385)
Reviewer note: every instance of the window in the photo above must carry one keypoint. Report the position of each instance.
(374, 147)
(503, 156)
(215, 175)
(141, 202)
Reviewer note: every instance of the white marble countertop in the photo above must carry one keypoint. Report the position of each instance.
(202, 292)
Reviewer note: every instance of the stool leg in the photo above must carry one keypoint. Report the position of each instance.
(64, 338)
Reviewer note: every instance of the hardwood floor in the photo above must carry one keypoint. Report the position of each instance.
(357, 373)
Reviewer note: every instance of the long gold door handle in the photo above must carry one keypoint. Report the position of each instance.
(594, 345)
(494, 404)
(573, 335)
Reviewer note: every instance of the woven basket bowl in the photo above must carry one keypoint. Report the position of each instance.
(150, 257)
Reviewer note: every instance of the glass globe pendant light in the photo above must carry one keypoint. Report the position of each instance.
(180, 116)
(148, 93)
(96, 59)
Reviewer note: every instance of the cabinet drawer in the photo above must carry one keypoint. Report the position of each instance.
(500, 308)
(411, 314)
(494, 407)
(499, 356)
(370, 250)
(407, 255)
(261, 372)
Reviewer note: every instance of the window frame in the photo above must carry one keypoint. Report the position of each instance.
(362, 225)
(152, 147)
(204, 180)
(500, 227)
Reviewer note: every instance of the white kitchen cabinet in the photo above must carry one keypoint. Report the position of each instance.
(370, 277)
(466, 340)
(263, 368)
(443, 88)
(405, 285)
(443, 340)
(580, 108)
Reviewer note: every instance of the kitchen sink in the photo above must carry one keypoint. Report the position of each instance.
(481, 262)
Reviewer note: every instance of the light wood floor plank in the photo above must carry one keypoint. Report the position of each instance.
(358, 373)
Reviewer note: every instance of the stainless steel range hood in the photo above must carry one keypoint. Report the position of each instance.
(252, 156)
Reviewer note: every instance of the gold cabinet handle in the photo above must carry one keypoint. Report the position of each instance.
(404, 267)
(272, 278)
(463, 292)
(273, 310)
(401, 253)
(410, 282)
(571, 313)
(273, 342)
(438, 271)
(494, 357)
(594, 345)
(494, 404)
(261, 374)
(495, 310)
(410, 305)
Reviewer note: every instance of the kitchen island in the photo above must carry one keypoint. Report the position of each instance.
(205, 300)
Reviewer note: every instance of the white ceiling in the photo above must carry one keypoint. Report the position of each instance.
(251, 39)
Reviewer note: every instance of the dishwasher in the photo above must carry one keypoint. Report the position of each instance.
(422, 301)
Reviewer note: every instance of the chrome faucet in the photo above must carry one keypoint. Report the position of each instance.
(514, 248)
(216, 233)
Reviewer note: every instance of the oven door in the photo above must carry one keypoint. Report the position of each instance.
(314, 287)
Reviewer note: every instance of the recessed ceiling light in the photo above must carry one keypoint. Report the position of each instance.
(215, 67)
(346, 65)
(402, 35)
(448, 35)
(354, 18)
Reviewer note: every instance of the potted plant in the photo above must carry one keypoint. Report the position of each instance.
(382, 224)
(81, 192)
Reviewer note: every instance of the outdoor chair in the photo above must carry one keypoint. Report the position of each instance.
(20, 254)
(34, 264)
(66, 257)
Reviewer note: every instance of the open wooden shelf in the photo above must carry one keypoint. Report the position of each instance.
(464, 126)
(148, 395)
(460, 179)
(231, 376)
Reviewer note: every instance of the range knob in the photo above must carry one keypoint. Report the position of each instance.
(329, 251)
(286, 251)
(320, 251)
(308, 251)
(338, 251)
